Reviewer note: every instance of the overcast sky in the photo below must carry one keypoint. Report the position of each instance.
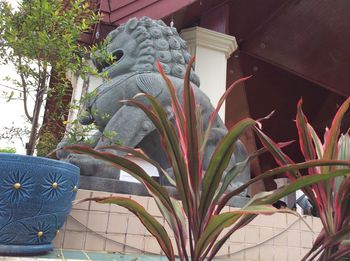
(11, 112)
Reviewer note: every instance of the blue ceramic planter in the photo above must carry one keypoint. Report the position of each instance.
(35, 198)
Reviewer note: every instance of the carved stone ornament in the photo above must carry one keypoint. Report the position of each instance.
(136, 46)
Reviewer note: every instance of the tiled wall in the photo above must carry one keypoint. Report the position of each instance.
(105, 227)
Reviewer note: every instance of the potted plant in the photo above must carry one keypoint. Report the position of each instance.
(196, 219)
(39, 39)
(35, 198)
(330, 198)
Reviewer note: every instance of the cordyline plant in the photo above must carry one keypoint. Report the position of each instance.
(332, 197)
(198, 221)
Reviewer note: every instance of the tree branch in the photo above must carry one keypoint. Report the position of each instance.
(24, 88)
(9, 87)
(40, 91)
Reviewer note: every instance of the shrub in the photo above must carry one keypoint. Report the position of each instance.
(197, 220)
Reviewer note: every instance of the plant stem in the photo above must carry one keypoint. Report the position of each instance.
(25, 89)
(30, 146)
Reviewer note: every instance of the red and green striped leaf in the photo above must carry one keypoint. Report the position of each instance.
(317, 142)
(282, 159)
(214, 114)
(276, 152)
(243, 221)
(219, 222)
(344, 147)
(138, 153)
(343, 154)
(230, 176)
(192, 144)
(175, 221)
(150, 223)
(331, 140)
(219, 162)
(305, 138)
(130, 167)
(172, 146)
(277, 171)
(343, 251)
(303, 182)
(239, 167)
(176, 106)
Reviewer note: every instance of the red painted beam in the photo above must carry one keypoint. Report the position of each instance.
(120, 11)
(131, 8)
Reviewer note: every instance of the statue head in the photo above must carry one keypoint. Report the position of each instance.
(138, 44)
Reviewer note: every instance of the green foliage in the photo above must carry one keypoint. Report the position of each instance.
(101, 56)
(332, 198)
(11, 133)
(36, 37)
(47, 143)
(8, 150)
(198, 221)
(331, 195)
(78, 133)
(45, 31)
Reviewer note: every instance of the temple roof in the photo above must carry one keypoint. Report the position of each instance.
(115, 12)
(308, 38)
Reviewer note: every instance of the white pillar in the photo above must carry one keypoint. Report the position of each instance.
(80, 88)
(212, 49)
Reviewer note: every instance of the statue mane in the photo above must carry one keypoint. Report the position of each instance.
(157, 41)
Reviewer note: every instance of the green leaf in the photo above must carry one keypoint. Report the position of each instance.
(301, 183)
(338, 241)
(238, 168)
(172, 145)
(331, 140)
(304, 135)
(175, 221)
(151, 224)
(343, 154)
(175, 103)
(243, 221)
(214, 114)
(317, 142)
(344, 147)
(282, 159)
(277, 171)
(346, 242)
(231, 175)
(182, 227)
(219, 162)
(218, 222)
(130, 167)
(191, 137)
(140, 154)
(279, 156)
(344, 251)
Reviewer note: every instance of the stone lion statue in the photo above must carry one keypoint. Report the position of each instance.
(136, 46)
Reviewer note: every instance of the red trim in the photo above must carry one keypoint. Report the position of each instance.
(130, 9)
(121, 3)
(117, 12)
